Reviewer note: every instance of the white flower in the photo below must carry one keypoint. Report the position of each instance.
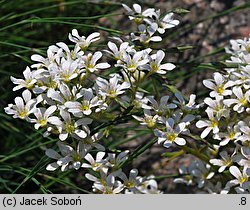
(53, 54)
(82, 41)
(138, 15)
(69, 158)
(106, 184)
(225, 162)
(242, 76)
(90, 62)
(43, 116)
(63, 94)
(23, 106)
(95, 164)
(232, 133)
(130, 183)
(190, 105)
(166, 22)
(162, 107)
(115, 52)
(172, 133)
(146, 34)
(149, 186)
(211, 124)
(114, 160)
(131, 64)
(241, 178)
(149, 120)
(68, 70)
(241, 102)
(70, 127)
(29, 79)
(217, 107)
(245, 129)
(139, 101)
(201, 171)
(239, 46)
(111, 89)
(88, 102)
(220, 86)
(155, 65)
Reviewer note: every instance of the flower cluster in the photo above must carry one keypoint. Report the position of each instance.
(66, 96)
(227, 111)
(169, 121)
(108, 180)
(149, 23)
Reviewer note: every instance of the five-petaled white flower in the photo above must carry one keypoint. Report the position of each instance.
(138, 15)
(43, 116)
(225, 162)
(90, 62)
(23, 107)
(155, 65)
(106, 184)
(171, 134)
(28, 81)
(220, 86)
(69, 158)
(146, 34)
(115, 52)
(166, 22)
(82, 41)
(95, 164)
(160, 108)
(131, 64)
(241, 102)
(211, 124)
(69, 127)
(149, 120)
(88, 102)
(131, 182)
(111, 89)
(241, 179)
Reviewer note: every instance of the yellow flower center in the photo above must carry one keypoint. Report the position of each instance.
(150, 122)
(138, 21)
(129, 184)
(83, 47)
(52, 84)
(220, 89)
(76, 157)
(171, 137)
(228, 162)
(214, 123)
(231, 135)
(248, 48)
(22, 114)
(85, 107)
(243, 101)
(112, 94)
(243, 179)
(154, 67)
(132, 67)
(108, 191)
(42, 122)
(69, 128)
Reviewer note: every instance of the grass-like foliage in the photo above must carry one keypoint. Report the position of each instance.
(92, 78)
